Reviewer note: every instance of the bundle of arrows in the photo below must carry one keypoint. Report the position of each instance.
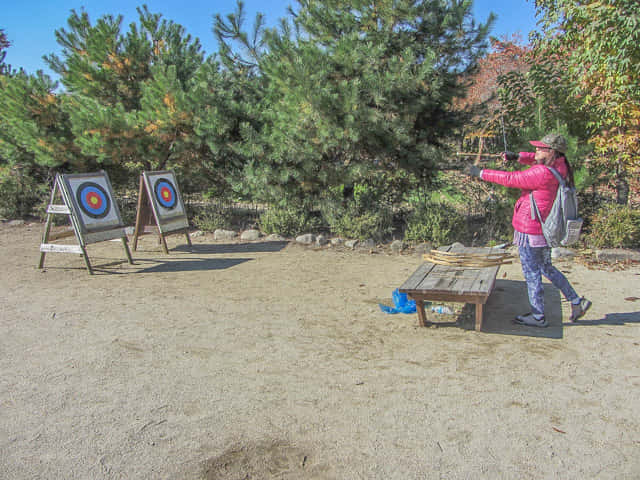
(471, 260)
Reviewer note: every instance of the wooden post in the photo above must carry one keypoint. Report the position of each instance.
(479, 314)
(47, 228)
(480, 148)
(422, 315)
(142, 192)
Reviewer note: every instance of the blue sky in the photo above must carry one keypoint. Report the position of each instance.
(30, 24)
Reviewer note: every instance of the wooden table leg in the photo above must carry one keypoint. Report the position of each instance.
(422, 315)
(479, 316)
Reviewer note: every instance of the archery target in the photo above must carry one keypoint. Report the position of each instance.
(92, 200)
(165, 195)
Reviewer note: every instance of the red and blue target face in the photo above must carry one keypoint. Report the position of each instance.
(165, 193)
(93, 200)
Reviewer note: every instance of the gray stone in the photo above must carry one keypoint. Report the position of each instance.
(129, 230)
(15, 223)
(367, 244)
(351, 244)
(397, 246)
(306, 239)
(197, 233)
(321, 240)
(561, 252)
(221, 234)
(617, 255)
(274, 237)
(336, 242)
(250, 235)
(424, 248)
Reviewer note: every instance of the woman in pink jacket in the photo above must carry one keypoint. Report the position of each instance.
(535, 254)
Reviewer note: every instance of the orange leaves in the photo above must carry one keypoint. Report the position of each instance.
(170, 102)
(507, 57)
(117, 64)
(159, 46)
(152, 127)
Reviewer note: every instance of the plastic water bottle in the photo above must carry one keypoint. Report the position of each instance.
(441, 309)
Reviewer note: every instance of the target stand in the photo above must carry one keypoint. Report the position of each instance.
(88, 201)
(160, 208)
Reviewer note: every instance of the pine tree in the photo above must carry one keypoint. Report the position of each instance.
(357, 85)
(35, 129)
(227, 119)
(4, 44)
(127, 99)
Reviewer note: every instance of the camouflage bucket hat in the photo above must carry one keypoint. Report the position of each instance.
(552, 140)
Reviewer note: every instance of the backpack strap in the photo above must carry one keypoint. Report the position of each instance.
(535, 213)
(556, 174)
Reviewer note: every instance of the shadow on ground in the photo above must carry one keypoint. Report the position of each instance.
(193, 264)
(509, 299)
(259, 247)
(609, 319)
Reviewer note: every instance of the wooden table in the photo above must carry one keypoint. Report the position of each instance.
(452, 284)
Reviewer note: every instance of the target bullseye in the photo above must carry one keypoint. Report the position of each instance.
(93, 200)
(165, 193)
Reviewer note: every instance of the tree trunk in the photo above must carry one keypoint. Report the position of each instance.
(622, 190)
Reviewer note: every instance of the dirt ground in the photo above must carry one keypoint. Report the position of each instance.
(273, 361)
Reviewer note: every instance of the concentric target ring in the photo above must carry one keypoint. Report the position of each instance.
(165, 193)
(93, 200)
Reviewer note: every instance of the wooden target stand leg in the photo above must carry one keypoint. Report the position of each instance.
(145, 218)
(45, 246)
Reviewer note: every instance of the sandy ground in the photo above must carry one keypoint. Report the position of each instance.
(273, 361)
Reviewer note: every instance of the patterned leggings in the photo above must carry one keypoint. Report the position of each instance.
(536, 261)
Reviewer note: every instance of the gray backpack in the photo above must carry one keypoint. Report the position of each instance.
(562, 226)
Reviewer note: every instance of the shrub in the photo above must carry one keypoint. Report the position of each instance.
(211, 218)
(367, 214)
(436, 222)
(615, 226)
(353, 223)
(496, 225)
(20, 193)
(288, 221)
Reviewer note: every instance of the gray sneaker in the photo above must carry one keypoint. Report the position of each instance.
(531, 321)
(580, 309)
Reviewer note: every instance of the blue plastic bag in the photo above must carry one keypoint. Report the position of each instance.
(401, 302)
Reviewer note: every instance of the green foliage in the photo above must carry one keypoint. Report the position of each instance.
(435, 222)
(599, 45)
(20, 192)
(4, 44)
(288, 221)
(355, 84)
(128, 102)
(364, 210)
(615, 226)
(213, 217)
(34, 128)
(363, 225)
(227, 120)
(496, 222)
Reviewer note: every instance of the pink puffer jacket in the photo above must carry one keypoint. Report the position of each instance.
(538, 179)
